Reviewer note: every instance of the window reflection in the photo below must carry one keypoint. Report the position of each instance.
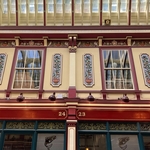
(92, 141)
(17, 142)
(146, 140)
(117, 69)
(28, 69)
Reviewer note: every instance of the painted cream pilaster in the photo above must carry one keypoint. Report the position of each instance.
(72, 69)
(71, 137)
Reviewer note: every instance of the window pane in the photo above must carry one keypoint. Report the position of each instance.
(17, 142)
(133, 5)
(78, 6)
(124, 142)
(50, 141)
(95, 6)
(123, 6)
(117, 69)
(86, 6)
(92, 141)
(68, 6)
(146, 140)
(28, 69)
(23, 6)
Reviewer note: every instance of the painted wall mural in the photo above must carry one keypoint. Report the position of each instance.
(56, 70)
(88, 70)
(145, 61)
(3, 58)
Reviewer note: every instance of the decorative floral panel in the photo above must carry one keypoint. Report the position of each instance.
(145, 60)
(87, 44)
(51, 125)
(20, 125)
(31, 43)
(7, 43)
(56, 70)
(88, 70)
(57, 44)
(2, 65)
(141, 43)
(123, 126)
(92, 126)
(115, 43)
(145, 126)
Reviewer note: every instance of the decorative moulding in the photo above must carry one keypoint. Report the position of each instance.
(10, 43)
(87, 43)
(114, 42)
(3, 58)
(56, 44)
(141, 43)
(56, 70)
(88, 76)
(31, 43)
(145, 62)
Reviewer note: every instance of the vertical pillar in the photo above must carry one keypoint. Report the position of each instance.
(72, 66)
(17, 40)
(129, 40)
(45, 40)
(100, 40)
(71, 134)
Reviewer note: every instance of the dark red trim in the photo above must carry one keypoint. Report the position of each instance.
(143, 27)
(133, 70)
(129, 13)
(30, 114)
(42, 74)
(115, 115)
(72, 92)
(73, 12)
(12, 72)
(44, 4)
(101, 69)
(17, 13)
(101, 9)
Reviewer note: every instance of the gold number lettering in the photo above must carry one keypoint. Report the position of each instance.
(62, 113)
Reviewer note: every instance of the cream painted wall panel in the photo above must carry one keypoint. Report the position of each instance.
(138, 67)
(114, 96)
(48, 69)
(10, 54)
(96, 68)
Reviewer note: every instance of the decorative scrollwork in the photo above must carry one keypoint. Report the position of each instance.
(56, 70)
(123, 126)
(2, 65)
(20, 125)
(145, 61)
(145, 126)
(51, 125)
(92, 126)
(88, 70)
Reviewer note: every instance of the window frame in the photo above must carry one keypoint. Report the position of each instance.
(132, 68)
(13, 69)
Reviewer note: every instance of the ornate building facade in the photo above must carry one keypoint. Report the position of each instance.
(74, 75)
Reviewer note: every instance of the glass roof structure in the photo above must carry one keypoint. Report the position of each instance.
(74, 12)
